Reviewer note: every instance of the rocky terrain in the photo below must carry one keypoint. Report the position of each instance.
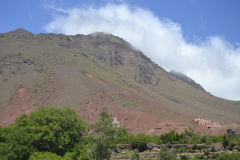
(187, 80)
(89, 72)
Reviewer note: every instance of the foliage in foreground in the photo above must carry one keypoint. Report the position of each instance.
(49, 130)
(227, 156)
(61, 134)
(167, 154)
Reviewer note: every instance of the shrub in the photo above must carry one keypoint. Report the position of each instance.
(227, 156)
(166, 154)
(139, 142)
(135, 155)
(44, 156)
(170, 138)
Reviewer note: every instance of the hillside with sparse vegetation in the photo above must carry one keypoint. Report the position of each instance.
(86, 72)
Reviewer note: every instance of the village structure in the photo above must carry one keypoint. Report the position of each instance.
(115, 121)
(206, 123)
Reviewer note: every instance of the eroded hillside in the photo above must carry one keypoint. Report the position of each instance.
(89, 72)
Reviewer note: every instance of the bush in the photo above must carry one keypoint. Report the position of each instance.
(234, 141)
(139, 142)
(166, 154)
(135, 155)
(227, 156)
(86, 150)
(44, 156)
(123, 137)
(170, 138)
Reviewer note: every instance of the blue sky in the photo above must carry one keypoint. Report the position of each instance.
(200, 38)
(198, 18)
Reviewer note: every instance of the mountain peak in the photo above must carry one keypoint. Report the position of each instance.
(21, 31)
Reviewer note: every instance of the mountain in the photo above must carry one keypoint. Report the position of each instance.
(89, 72)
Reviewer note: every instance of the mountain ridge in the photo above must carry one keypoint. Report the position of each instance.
(186, 79)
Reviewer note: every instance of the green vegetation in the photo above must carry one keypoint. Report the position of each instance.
(232, 142)
(105, 131)
(48, 130)
(61, 134)
(44, 156)
(227, 156)
(166, 154)
(135, 155)
(187, 137)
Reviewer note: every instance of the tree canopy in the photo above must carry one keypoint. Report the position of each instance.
(50, 129)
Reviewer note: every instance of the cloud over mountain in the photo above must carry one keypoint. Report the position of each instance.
(214, 63)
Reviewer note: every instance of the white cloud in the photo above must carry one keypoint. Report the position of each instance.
(214, 63)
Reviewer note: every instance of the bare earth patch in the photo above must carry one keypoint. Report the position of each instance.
(134, 121)
(24, 102)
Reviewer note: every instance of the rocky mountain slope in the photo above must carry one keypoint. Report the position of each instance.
(89, 72)
(186, 79)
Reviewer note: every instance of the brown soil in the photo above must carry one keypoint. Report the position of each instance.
(134, 120)
(95, 78)
(24, 102)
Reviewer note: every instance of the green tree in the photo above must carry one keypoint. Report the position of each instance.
(83, 151)
(104, 125)
(3, 143)
(106, 131)
(47, 130)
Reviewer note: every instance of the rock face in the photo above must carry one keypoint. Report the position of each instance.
(187, 80)
(146, 74)
(115, 58)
